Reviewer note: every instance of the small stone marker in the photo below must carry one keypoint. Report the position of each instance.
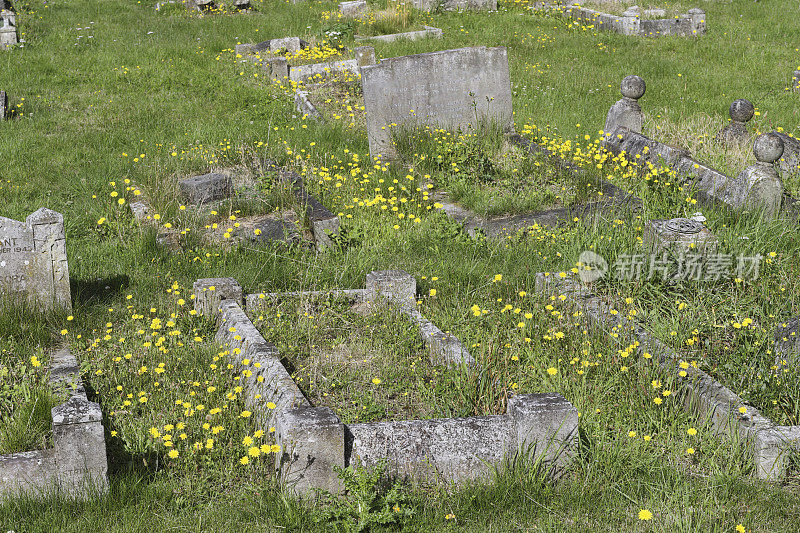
(269, 229)
(626, 112)
(759, 186)
(33, 259)
(352, 9)
(787, 342)
(3, 105)
(365, 55)
(396, 285)
(449, 89)
(209, 293)
(206, 188)
(679, 235)
(291, 45)
(8, 29)
(735, 133)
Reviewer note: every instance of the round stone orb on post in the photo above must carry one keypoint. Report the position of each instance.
(759, 186)
(735, 132)
(626, 112)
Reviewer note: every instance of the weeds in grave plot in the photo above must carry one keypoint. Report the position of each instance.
(486, 173)
(365, 362)
(339, 98)
(671, 8)
(392, 16)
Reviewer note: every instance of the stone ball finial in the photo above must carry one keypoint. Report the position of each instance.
(741, 110)
(768, 148)
(633, 87)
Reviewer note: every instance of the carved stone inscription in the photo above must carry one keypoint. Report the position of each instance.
(16, 255)
(451, 89)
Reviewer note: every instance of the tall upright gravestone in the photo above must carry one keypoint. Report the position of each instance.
(450, 89)
(33, 259)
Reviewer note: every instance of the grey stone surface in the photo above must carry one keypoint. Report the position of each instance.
(397, 286)
(450, 449)
(209, 293)
(690, 24)
(139, 210)
(79, 445)
(206, 188)
(445, 348)
(796, 81)
(759, 187)
(33, 259)
(312, 443)
(787, 342)
(289, 45)
(319, 71)
(450, 89)
(545, 426)
(305, 106)
(626, 112)
(428, 31)
(679, 235)
(735, 132)
(789, 162)
(269, 229)
(456, 5)
(351, 9)
(3, 105)
(8, 29)
(365, 55)
(30, 473)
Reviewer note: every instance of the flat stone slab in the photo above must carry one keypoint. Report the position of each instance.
(269, 229)
(206, 188)
(450, 89)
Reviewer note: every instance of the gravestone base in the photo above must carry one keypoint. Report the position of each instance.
(206, 188)
(680, 235)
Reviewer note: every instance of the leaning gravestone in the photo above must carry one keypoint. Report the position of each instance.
(450, 89)
(33, 259)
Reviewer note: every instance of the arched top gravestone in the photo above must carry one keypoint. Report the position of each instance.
(33, 259)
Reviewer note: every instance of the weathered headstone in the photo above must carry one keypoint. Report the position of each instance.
(33, 259)
(451, 89)
(679, 235)
(206, 188)
(626, 112)
(735, 133)
(8, 29)
(759, 186)
(352, 9)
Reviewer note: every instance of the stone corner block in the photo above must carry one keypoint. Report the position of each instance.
(396, 285)
(312, 443)
(209, 293)
(206, 188)
(79, 446)
(771, 453)
(546, 424)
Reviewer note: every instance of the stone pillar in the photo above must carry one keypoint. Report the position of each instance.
(631, 22)
(626, 112)
(759, 186)
(49, 282)
(312, 443)
(397, 286)
(365, 55)
(545, 425)
(80, 447)
(796, 81)
(210, 292)
(698, 20)
(735, 133)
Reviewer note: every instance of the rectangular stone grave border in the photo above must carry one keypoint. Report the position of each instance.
(428, 31)
(509, 225)
(76, 466)
(325, 226)
(691, 24)
(456, 5)
(702, 393)
(313, 440)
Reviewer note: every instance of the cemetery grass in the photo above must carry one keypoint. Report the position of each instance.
(129, 111)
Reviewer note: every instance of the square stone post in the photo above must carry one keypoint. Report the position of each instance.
(544, 424)
(312, 443)
(80, 447)
(210, 292)
(398, 286)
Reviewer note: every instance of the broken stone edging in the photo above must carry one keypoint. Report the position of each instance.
(314, 440)
(703, 394)
(507, 225)
(305, 106)
(77, 465)
(428, 31)
(690, 24)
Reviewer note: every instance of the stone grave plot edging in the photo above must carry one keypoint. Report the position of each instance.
(76, 466)
(703, 394)
(508, 225)
(428, 31)
(690, 24)
(8, 30)
(305, 106)
(314, 440)
(325, 226)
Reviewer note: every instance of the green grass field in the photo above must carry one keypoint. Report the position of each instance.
(110, 98)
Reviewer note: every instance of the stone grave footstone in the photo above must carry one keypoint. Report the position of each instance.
(626, 111)
(269, 229)
(679, 235)
(451, 89)
(759, 186)
(206, 188)
(735, 133)
(33, 259)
